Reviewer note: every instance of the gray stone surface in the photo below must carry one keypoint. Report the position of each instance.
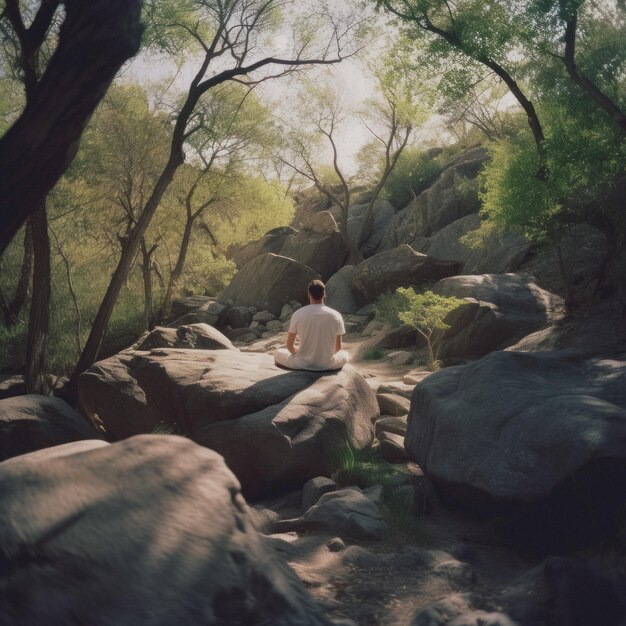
(275, 428)
(398, 267)
(453, 196)
(272, 241)
(175, 545)
(315, 488)
(392, 404)
(392, 447)
(526, 428)
(33, 422)
(500, 309)
(339, 292)
(318, 244)
(269, 282)
(198, 336)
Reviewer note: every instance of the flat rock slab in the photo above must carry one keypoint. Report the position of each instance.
(392, 447)
(194, 336)
(276, 428)
(175, 545)
(33, 422)
(392, 404)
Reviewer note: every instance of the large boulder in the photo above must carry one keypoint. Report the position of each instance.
(152, 530)
(383, 213)
(453, 196)
(498, 253)
(200, 336)
(269, 282)
(318, 244)
(398, 267)
(542, 435)
(500, 309)
(339, 292)
(33, 422)
(272, 241)
(309, 201)
(275, 428)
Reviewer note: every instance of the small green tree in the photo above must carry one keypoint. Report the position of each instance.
(427, 313)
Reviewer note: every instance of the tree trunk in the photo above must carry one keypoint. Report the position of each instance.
(146, 270)
(166, 308)
(40, 306)
(11, 310)
(94, 41)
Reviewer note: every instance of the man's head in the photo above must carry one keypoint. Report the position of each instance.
(317, 291)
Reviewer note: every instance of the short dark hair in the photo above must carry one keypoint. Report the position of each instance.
(317, 289)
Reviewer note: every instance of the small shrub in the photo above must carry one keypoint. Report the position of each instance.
(390, 305)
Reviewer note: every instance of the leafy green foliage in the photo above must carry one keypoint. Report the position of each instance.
(415, 171)
(390, 305)
(372, 354)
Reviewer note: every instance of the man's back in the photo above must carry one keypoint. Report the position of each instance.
(317, 327)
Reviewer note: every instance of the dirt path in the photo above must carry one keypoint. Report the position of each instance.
(389, 582)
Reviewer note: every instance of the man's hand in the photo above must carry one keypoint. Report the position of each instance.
(291, 342)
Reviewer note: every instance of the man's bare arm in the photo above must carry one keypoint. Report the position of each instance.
(291, 342)
(337, 343)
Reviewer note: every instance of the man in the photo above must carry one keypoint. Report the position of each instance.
(319, 329)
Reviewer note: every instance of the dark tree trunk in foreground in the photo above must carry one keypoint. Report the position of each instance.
(12, 308)
(146, 271)
(39, 306)
(94, 41)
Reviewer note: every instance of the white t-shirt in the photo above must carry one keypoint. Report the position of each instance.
(317, 327)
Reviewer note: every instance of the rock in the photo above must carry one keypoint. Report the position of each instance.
(318, 245)
(398, 388)
(263, 317)
(453, 196)
(238, 317)
(400, 357)
(190, 304)
(355, 323)
(363, 558)
(272, 241)
(269, 282)
(285, 313)
(339, 292)
(174, 546)
(392, 337)
(243, 335)
(395, 425)
(415, 377)
(33, 422)
(347, 512)
(501, 252)
(262, 518)
(391, 404)
(540, 436)
(336, 544)
(197, 336)
(500, 309)
(398, 267)
(275, 428)
(383, 214)
(309, 201)
(392, 447)
(12, 386)
(315, 488)
(274, 325)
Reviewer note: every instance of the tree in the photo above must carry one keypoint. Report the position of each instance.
(94, 40)
(427, 313)
(220, 30)
(390, 118)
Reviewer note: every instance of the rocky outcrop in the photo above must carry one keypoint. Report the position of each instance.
(453, 196)
(269, 282)
(198, 336)
(339, 292)
(272, 241)
(383, 213)
(275, 428)
(500, 309)
(500, 252)
(174, 546)
(33, 422)
(318, 244)
(398, 267)
(538, 434)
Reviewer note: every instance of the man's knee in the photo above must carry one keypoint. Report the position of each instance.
(340, 359)
(281, 356)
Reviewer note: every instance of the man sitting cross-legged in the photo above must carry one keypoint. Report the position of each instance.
(319, 329)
